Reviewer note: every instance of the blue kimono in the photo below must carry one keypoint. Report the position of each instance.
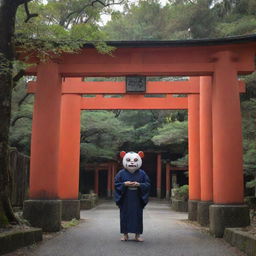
(131, 200)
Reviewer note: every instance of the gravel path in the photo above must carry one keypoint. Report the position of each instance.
(165, 233)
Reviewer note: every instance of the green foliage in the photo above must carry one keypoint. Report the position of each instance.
(183, 19)
(101, 135)
(21, 118)
(249, 135)
(251, 184)
(250, 81)
(148, 20)
(251, 202)
(181, 193)
(171, 133)
(143, 21)
(69, 224)
(241, 25)
(146, 125)
(3, 220)
(62, 26)
(181, 162)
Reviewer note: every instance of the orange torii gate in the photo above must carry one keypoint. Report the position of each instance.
(75, 86)
(110, 168)
(217, 139)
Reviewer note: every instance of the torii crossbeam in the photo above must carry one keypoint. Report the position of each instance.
(169, 90)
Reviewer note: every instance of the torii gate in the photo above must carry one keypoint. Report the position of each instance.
(217, 61)
(100, 89)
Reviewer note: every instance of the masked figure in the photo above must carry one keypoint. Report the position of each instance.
(132, 187)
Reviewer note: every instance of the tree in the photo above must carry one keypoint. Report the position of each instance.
(148, 20)
(173, 136)
(21, 118)
(139, 22)
(8, 11)
(249, 138)
(101, 136)
(49, 36)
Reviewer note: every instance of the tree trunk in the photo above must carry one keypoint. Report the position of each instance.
(8, 10)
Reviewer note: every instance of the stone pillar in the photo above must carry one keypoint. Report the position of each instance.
(158, 175)
(168, 181)
(194, 155)
(205, 150)
(96, 181)
(45, 150)
(228, 191)
(109, 180)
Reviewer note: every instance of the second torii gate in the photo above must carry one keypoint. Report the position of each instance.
(73, 90)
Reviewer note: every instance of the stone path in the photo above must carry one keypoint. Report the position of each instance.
(165, 233)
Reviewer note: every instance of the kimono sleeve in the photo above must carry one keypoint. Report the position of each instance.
(145, 189)
(120, 188)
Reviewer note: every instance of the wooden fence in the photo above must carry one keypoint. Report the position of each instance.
(19, 166)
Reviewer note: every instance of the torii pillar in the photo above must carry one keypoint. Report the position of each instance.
(206, 177)
(44, 191)
(109, 186)
(113, 177)
(69, 158)
(168, 180)
(96, 181)
(158, 175)
(194, 155)
(228, 209)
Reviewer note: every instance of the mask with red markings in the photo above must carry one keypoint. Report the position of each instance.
(132, 161)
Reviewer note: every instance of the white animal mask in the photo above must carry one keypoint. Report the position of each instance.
(131, 160)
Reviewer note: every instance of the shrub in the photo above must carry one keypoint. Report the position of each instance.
(181, 193)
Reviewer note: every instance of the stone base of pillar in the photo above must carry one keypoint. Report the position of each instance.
(192, 209)
(228, 216)
(109, 193)
(158, 193)
(179, 205)
(167, 195)
(70, 209)
(45, 214)
(203, 212)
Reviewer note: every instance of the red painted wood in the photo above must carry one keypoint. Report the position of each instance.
(153, 61)
(109, 179)
(44, 168)
(69, 158)
(134, 102)
(113, 170)
(194, 147)
(223, 62)
(96, 181)
(228, 184)
(168, 178)
(77, 86)
(158, 175)
(206, 138)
